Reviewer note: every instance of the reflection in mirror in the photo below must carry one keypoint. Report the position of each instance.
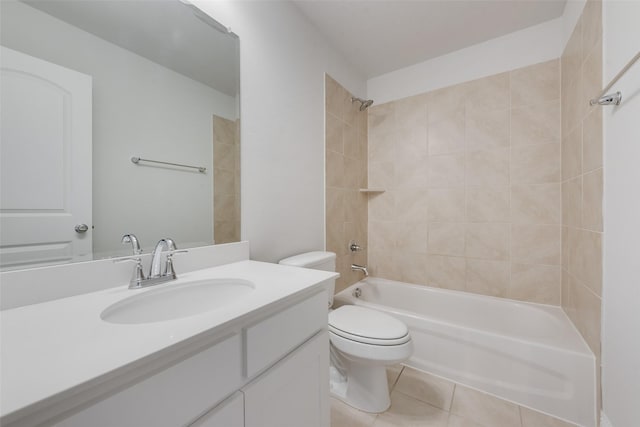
(86, 87)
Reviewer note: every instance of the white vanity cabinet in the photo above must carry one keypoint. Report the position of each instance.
(270, 372)
(295, 392)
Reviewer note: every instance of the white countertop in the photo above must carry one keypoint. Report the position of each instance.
(51, 349)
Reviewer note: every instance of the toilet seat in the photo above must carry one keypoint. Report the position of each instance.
(367, 326)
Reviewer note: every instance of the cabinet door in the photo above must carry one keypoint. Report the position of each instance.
(229, 413)
(295, 392)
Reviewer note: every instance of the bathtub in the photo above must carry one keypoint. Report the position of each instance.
(529, 354)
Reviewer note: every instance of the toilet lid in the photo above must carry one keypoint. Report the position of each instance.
(366, 325)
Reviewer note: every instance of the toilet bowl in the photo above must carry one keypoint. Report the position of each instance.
(363, 343)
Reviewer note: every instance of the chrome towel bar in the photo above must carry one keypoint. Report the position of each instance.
(136, 160)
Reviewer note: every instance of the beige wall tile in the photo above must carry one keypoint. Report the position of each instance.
(535, 84)
(565, 247)
(572, 202)
(572, 154)
(483, 408)
(443, 102)
(488, 168)
(411, 113)
(381, 118)
(488, 204)
(412, 267)
(537, 419)
(446, 238)
(448, 134)
(333, 133)
(335, 97)
(588, 313)
(537, 124)
(351, 173)
(412, 237)
(382, 235)
(446, 171)
(381, 146)
(411, 205)
(381, 174)
(487, 241)
(571, 108)
(489, 93)
(535, 164)
(536, 204)
(447, 272)
(410, 143)
(591, 83)
(335, 205)
(426, 387)
(336, 238)
(447, 205)
(487, 129)
(536, 283)
(592, 200)
(536, 244)
(592, 140)
(335, 169)
(382, 206)
(224, 207)
(350, 140)
(382, 263)
(412, 173)
(488, 277)
(585, 258)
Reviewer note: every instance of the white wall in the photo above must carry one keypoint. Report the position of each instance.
(532, 45)
(621, 289)
(140, 109)
(283, 60)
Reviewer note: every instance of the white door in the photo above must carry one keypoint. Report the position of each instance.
(45, 162)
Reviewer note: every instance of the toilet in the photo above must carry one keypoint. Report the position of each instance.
(363, 343)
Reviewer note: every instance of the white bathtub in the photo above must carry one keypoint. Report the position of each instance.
(526, 353)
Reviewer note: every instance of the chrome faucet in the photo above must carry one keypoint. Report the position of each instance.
(138, 276)
(356, 267)
(156, 273)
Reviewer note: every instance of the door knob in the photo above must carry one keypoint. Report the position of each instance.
(81, 228)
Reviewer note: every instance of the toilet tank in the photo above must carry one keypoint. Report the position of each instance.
(318, 260)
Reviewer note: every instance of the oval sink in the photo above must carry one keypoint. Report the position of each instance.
(177, 301)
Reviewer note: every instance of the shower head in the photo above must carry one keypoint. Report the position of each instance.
(364, 103)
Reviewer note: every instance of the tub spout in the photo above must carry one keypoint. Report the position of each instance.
(356, 267)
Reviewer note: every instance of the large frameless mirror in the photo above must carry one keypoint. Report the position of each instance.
(117, 117)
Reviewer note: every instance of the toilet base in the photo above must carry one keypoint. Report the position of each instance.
(365, 387)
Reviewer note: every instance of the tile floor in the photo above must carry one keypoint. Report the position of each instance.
(420, 399)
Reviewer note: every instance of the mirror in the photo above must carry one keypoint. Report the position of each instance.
(117, 117)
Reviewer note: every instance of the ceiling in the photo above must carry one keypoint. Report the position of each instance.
(164, 31)
(382, 36)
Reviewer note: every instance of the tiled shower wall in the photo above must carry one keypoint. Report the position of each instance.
(582, 176)
(226, 180)
(346, 174)
(472, 175)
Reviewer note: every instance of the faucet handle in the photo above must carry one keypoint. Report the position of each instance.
(138, 275)
(135, 243)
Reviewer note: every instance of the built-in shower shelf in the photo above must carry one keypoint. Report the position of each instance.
(372, 190)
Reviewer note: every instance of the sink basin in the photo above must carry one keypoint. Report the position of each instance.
(177, 301)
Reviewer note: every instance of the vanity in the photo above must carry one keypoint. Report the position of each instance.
(260, 359)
